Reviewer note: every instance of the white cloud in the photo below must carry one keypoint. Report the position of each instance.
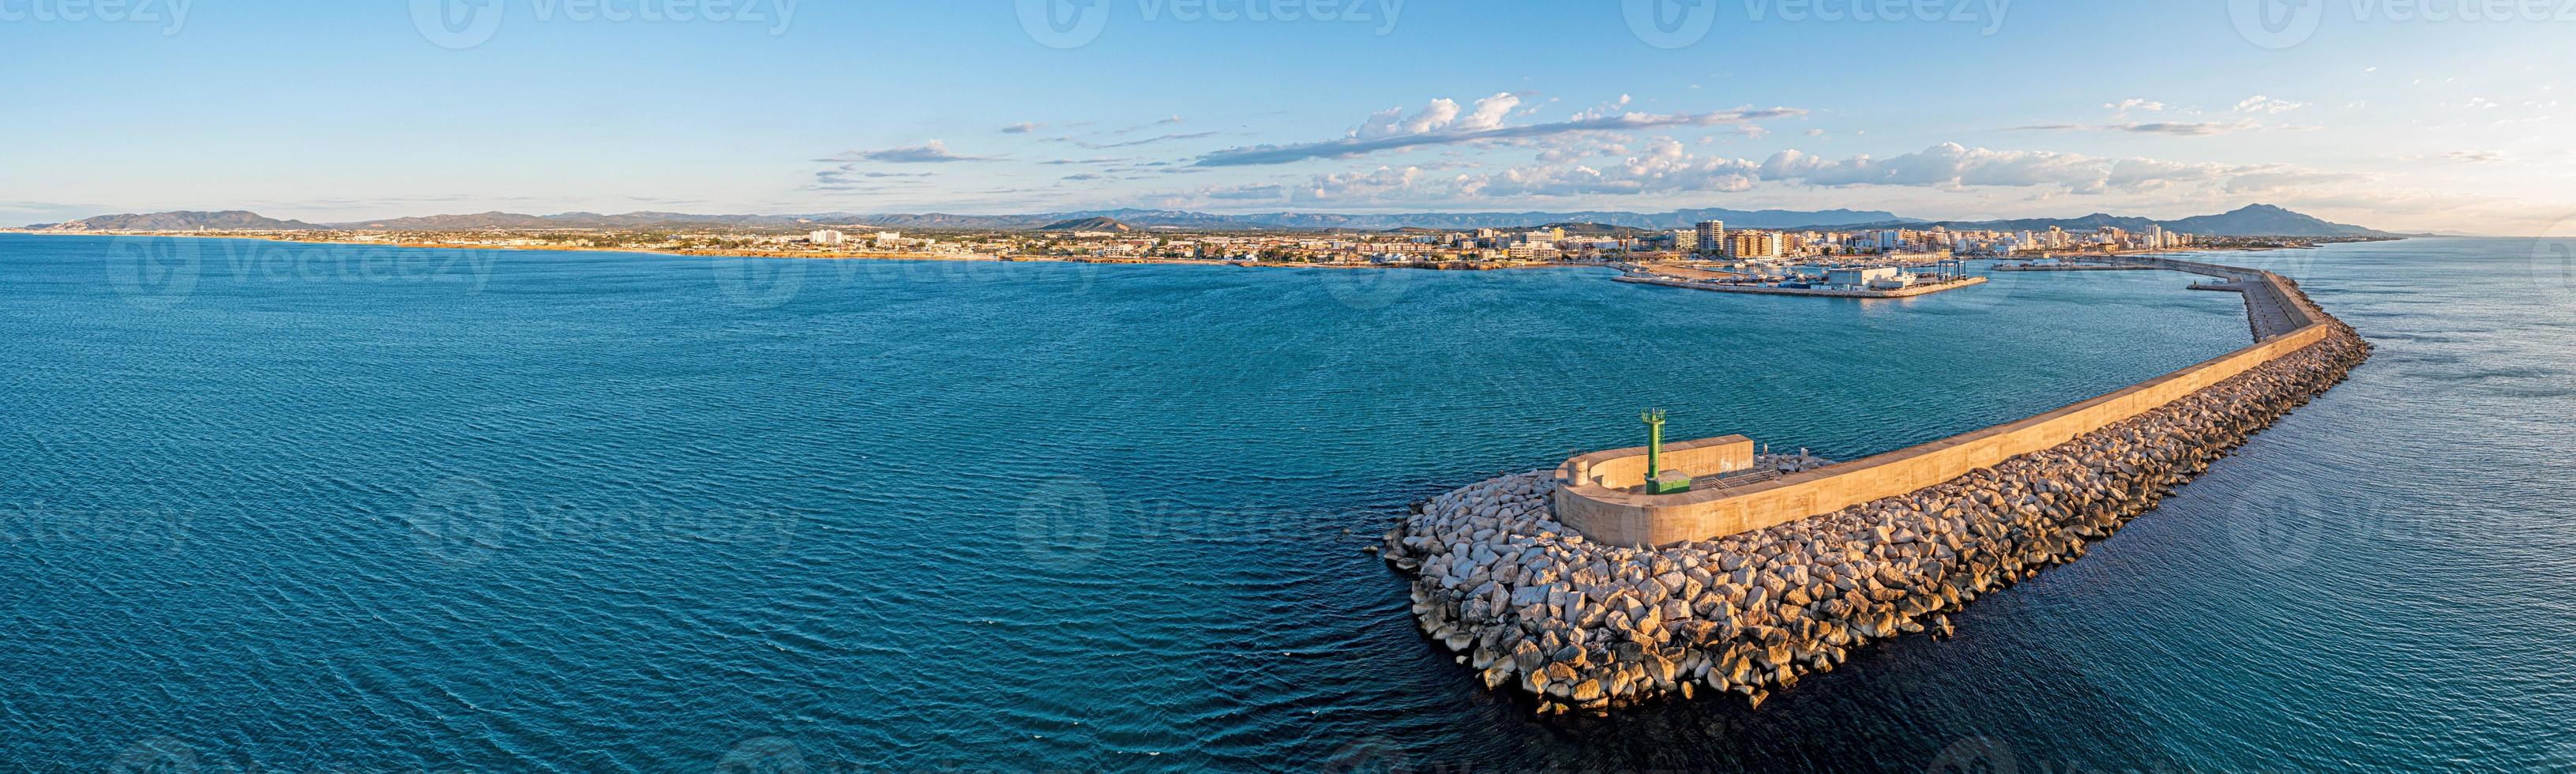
(1442, 115)
(2168, 128)
(1388, 131)
(933, 152)
(2123, 108)
(1667, 167)
(2262, 105)
(1490, 112)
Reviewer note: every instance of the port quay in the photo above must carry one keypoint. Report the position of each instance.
(1665, 571)
(1853, 281)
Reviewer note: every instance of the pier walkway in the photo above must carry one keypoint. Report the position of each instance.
(1598, 506)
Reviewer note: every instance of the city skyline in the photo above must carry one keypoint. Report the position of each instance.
(1961, 111)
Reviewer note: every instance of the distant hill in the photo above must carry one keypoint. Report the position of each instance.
(1088, 224)
(2267, 220)
(1133, 219)
(2255, 220)
(2259, 220)
(230, 220)
(590, 220)
(1601, 230)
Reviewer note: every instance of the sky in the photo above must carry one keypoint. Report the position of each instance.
(2419, 115)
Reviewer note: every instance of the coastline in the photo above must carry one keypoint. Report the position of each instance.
(848, 256)
(948, 257)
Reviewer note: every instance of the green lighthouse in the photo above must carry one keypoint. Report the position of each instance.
(1658, 480)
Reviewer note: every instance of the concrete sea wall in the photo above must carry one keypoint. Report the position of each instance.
(1612, 514)
(1587, 625)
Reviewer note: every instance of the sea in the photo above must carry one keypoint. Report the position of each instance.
(272, 506)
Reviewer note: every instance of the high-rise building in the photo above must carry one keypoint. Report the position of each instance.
(1743, 245)
(1712, 235)
(825, 237)
(1686, 241)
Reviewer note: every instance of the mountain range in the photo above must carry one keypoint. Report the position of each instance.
(2253, 220)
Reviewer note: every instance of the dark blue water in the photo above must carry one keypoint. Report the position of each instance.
(287, 506)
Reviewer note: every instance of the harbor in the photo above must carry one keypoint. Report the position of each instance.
(2052, 264)
(1846, 281)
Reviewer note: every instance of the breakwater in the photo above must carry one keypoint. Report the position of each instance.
(1582, 624)
(2072, 267)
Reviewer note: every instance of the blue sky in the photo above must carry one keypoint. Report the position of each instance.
(2359, 110)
